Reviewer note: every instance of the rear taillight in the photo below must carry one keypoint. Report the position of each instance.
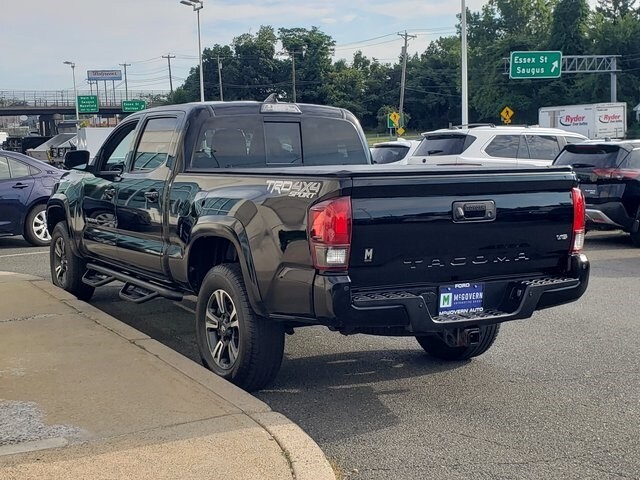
(330, 233)
(617, 173)
(578, 220)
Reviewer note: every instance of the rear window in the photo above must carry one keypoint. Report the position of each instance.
(588, 156)
(388, 153)
(248, 142)
(633, 161)
(435, 145)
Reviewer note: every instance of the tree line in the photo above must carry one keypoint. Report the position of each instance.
(256, 65)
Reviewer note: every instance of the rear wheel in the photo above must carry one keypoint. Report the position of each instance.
(435, 345)
(67, 269)
(234, 342)
(35, 228)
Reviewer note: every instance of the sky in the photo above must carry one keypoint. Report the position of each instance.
(39, 35)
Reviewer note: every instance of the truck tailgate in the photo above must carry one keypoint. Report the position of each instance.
(440, 228)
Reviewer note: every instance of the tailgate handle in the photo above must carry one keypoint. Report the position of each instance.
(478, 211)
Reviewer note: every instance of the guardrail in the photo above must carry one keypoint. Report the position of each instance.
(65, 98)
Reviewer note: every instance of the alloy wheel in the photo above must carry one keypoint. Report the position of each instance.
(222, 329)
(39, 227)
(60, 261)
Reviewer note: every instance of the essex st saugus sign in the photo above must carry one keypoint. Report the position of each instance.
(539, 64)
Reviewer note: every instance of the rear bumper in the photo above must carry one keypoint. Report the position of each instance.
(415, 313)
(608, 216)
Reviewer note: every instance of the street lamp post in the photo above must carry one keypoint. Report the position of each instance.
(465, 75)
(75, 91)
(197, 6)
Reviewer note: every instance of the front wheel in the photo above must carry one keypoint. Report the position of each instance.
(435, 346)
(35, 228)
(67, 269)
(234, 342)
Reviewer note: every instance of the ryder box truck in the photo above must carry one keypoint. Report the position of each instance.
(596, 120)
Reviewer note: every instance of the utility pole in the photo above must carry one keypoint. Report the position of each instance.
(220, 78)
(465, 77)
(293, 74)
(406, 37)
(169, 57)
(126, 87)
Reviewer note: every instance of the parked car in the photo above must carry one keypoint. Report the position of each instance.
(609, 175)
(25, 186)
(394, 151)
(490, 145)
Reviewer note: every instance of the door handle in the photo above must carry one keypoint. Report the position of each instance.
(152, 195)
(477, 211)
(20, 185)
(109, 193)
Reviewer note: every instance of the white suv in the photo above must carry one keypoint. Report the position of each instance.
(491, 145)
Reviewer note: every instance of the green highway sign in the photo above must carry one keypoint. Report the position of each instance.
(88, 104)
(133, 105)
(543, 64)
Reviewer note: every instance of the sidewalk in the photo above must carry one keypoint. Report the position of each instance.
(83, 395)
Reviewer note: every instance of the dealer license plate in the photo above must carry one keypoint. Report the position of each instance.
(461, 298)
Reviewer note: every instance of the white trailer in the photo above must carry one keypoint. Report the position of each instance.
(596, 120)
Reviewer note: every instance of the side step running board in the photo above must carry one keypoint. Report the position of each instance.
(96, 279)
(136, 294)
(134, 289)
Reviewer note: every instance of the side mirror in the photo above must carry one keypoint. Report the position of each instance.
(75, 158)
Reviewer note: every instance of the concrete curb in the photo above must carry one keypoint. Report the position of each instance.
(306, 459)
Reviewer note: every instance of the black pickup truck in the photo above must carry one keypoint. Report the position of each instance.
(272, 214)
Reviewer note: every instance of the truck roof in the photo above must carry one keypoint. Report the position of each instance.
(245, 107)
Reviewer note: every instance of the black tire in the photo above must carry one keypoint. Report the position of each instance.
(436, 346)
(243, 348)
(635, 236)
(35, 226)
(67, 269)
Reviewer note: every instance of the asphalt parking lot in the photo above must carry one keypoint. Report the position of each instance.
(556, 397)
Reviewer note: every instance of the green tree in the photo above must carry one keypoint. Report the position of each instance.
(614, 10)
(346, 87)
(433, 90)
(569, 27)
(501, 27)
(312, 50)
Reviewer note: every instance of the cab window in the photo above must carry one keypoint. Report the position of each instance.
(117, 149)
(157, 144)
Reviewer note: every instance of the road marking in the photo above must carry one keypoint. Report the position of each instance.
(22, 254)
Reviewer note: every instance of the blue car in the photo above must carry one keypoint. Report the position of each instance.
(25, 186)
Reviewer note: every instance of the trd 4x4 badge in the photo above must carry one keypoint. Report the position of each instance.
(293, 188)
